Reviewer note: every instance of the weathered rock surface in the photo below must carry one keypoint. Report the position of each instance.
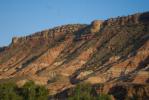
(96, 25)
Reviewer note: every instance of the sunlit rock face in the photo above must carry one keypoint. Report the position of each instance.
(15, 40)
(96, 25)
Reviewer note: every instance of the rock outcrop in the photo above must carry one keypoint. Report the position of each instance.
(96, 25)
(127, 20)
(15, 40)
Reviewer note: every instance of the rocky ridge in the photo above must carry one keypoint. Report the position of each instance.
(110, 51)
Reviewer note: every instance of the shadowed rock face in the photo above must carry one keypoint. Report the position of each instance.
(130, 91)
(144, 17)
(113, 50)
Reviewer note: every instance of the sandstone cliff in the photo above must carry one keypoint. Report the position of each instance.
(107, 51)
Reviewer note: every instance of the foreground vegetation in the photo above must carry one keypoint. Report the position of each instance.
(82, 91)
(30, 91)
(85, 91)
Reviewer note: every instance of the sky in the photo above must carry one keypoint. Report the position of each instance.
(24, 17)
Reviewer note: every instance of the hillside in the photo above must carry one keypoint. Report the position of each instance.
(110, 51)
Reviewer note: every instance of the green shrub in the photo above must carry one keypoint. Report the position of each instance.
(103, 97)
(85, 91)
(30, 91)
(8, 91)
(80, 92)
(41, 93)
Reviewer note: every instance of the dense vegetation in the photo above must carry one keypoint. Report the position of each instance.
(82, 91)
(118, 91)
(85, 91)
(30, 91)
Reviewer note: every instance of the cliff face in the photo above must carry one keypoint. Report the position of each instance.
(107, 51)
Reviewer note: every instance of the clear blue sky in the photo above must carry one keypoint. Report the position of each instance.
(23, 17)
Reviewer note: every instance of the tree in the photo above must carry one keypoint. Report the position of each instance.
(85, 91)
(9, 91)
(30, 91)
(41, 93)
